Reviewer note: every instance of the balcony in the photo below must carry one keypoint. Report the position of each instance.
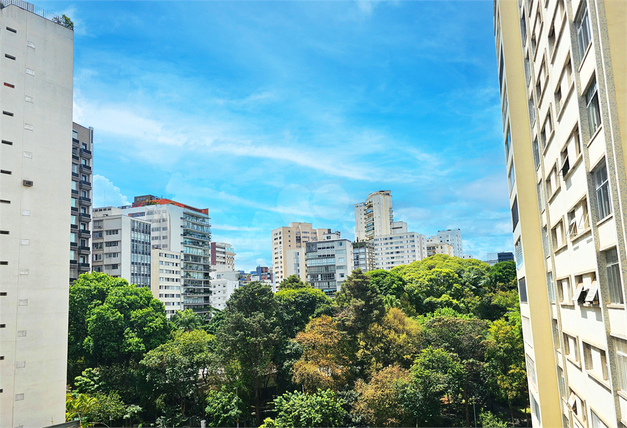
(73, 227)
(74, 174)
(75, 157)
(73, 245)
(74, 192)
(84, 184)
(84, 200)
(73, 262)
(74, 210)
(83, 250)
(75, 142)
(84, 233)
(83, 267)
(85, 169)
(84, 217)
(86, 153)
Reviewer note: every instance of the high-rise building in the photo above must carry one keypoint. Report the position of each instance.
(363, 255)
(222, 256)
(561, 72)
(399, 247)
(165, 279)
(294, 263)
(296, 235)
(80, 237)
(121, 246)
(185, 230)
(35, 189)
(453, 237)
(224, 282)
(329, 262)
(374, 217)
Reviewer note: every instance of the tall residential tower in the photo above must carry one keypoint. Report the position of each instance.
(374, 217)
(35, 189)
(562, 67)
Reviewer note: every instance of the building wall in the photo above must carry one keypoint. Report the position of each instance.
(294, 263)
(454, 238)
(223, 285)
(329, 263)
(374, 217)
(400, 248)
(166, 279)
(34, 262)
(82, 167)
(568, 223)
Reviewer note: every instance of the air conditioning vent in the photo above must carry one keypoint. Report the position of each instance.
(27, 183)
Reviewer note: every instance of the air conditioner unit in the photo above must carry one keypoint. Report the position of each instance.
(27, 183)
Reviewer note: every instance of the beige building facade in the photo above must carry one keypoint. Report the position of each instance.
(294, 236)
(374, 217)
(35, 188)
(435, 246)
(166, 279)
(562, 72)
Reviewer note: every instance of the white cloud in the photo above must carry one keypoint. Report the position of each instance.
(106, 193)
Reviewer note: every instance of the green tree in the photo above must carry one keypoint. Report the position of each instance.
(379, 401)
(323, 364)
(223, 408)
(298, 302)
(395, 340)
(248, 337)
(63, 20)
(358, 304)
(97, 407)
(388, 283)
(320, 409)
(292, 282)
(179, 371)
(435, 373)
(186, 320)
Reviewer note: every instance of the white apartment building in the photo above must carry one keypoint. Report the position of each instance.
(452, 237)
(374, 217)
(224, 282)
(295, 263)
(166, 279)
(185, 230)
(296, 235)
(399, 248)
(363, 256)
(35, 188)
(121, 246)
(222, 254)
(329, 262)
(435, 246)
(561, 71)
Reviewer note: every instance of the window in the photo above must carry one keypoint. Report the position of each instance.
(74, 168)
(582, 25)
(571, 347)
(526, 328)
(604, 205)
(564, 290)
(535, 408)
(561, 382)
(595, 361)
(531, 369)
(518, 254)
(578, 219)
(596, 422)
(536, 153)
(592, 105)
(577, 405)
(515, 214)
(547, 130)
(511, 177)
(587, 289)
(558, 236)
(508, 143)
(73, 237)
(621, 362)
(550, 286)
(522, 289)
(612, 269)
(97, 235)
(541, 82)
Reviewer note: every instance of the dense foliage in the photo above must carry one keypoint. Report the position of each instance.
(434, 343)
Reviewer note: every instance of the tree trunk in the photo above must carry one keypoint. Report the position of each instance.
(257, 410)
(467, 410)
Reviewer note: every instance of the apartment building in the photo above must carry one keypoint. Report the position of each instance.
(166, 279)
(222, 255)
(374, 217)
(121, 246)
(295, 264)
(182, 229)
(80, 236)
(296, 235)
(363, 255)
(453, 237)
(224, 282)
(399, 248)
(329, 262)
(35, 187)
(435, 246)
(561, 72)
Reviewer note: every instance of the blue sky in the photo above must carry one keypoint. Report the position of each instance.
(271, 112)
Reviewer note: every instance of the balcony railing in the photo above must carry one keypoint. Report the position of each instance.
(85, 199)
(84, 217)
(75, 142)
(86, 153)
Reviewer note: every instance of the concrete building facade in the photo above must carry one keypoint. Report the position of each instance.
(363, 255)
(222, 256)
(185, 230)
(435, 246)
(82, 167)
(453, 237)
(121, 246)
(224, 282)
(296, 235)
(561, 72)
(35, 187)
(329, 262)
(165, 281)
(374, 217)
(399, 248)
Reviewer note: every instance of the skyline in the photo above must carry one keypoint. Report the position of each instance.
(271, 114)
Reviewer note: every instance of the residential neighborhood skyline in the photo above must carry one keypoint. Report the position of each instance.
(266, 124)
